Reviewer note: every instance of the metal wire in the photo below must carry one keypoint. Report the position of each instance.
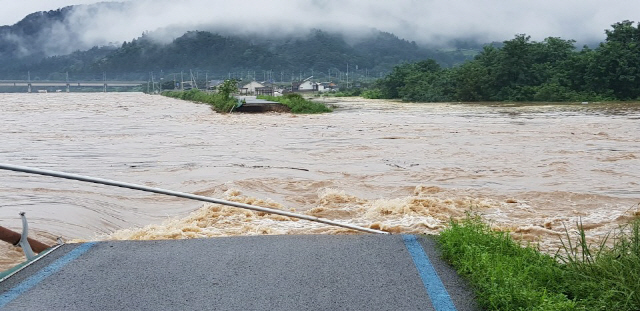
(114, 183)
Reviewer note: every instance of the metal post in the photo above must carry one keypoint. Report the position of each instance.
(114, 183)
(24, 242)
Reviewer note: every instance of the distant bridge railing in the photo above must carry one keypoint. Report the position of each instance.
(26, 83)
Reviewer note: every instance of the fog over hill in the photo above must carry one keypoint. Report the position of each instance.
(417, 29)
(434, 22)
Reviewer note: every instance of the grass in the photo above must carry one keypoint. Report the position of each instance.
(605, 278)
(225, 104)
(218, 102)
(298, 104)
(509, 276)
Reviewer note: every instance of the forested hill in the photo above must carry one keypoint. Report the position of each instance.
(318, 51)
(43, 34)
(526, 70)
(24, 47)
(23, 41)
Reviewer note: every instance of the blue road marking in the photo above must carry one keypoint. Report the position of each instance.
(438, 295)
(54, 267)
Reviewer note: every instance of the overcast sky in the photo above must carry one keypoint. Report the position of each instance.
(425, 21)
(12, 11)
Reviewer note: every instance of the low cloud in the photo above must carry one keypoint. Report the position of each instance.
(433, 22)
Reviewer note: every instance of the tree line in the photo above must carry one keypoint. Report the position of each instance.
(319, 53)
(526, 70)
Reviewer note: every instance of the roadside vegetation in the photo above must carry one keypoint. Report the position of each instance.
(222, 101)
(507, 276)
(523, 70)
(298, 104)
(366, 92)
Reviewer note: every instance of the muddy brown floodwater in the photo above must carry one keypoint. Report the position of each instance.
(529, 169)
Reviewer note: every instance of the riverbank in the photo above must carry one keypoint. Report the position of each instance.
(222, 103)
(507, 275)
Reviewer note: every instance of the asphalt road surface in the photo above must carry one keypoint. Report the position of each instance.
(306, 272)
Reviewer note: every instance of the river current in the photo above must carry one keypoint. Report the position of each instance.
(401, 167)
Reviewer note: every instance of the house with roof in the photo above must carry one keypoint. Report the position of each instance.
(295, 85)
(250, 88)
(327, 87)
(307, 86)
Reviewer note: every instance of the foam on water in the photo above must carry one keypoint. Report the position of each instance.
(420, 213)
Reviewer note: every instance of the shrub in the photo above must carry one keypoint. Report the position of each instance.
(372, 94)
(297, 103)
(219, 102)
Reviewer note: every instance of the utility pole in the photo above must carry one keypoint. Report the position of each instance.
(153, 83)
(355, 79)
(193, 79)
(347, 75)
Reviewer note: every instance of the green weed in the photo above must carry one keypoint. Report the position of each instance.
(298, 104)
(504, 274)
(604, 277)
(509, 276)
(218, 102)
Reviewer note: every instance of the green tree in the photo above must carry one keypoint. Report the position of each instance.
(616, 66)
(424, 83)
(228, 88)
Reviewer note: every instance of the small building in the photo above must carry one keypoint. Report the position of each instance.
(250, 88)
(307, 86)
(186, 85)
(214, 84)
(267, 90)
(327, 87)
(295, 85)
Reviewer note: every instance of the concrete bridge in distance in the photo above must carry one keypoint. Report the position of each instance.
(70, 84)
